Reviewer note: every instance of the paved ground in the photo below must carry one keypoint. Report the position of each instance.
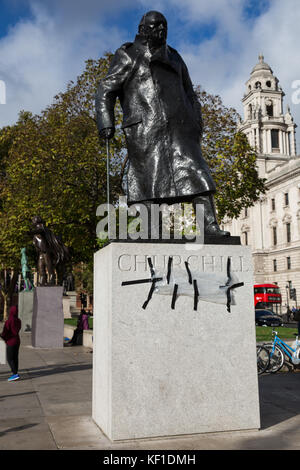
(50, 408)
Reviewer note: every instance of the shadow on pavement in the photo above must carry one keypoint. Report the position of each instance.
(54, 369)
(32, 373)
(11, 395)
(279, 398)
(17, 428)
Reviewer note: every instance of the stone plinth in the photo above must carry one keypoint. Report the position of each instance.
(2, 351)
(72, 299)
(25, 307)
(163, 371)
(48, 318)
(66, 307)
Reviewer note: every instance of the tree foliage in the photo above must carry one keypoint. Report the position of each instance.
(54, 165)
(230, 157)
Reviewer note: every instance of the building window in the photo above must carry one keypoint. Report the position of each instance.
(288, 262)
(269, 108)
(288, 232)
(245, 237)
(250, 111)
(275, 138)
(274, 236)
(274, 265)
(286, 199)
(273, 204)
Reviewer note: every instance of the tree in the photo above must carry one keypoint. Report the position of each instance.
(8, 281)
(84, 278)
(9, 255)
(54, 165)
(231, 158)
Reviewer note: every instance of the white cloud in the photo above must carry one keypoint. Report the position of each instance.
(38, 57)
(223, 63)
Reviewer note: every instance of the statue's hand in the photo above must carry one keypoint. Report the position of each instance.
(107, 133)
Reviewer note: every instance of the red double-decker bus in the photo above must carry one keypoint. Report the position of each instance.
(267, 296)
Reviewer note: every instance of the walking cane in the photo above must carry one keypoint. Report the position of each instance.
(107, 184)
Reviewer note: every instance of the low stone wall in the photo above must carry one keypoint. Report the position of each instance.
(2, 352)
(87, 340)
(68, 331)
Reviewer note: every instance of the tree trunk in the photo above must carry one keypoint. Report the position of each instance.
(6, 305)
(7, 293)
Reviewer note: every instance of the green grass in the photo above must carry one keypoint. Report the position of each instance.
(73, 322)
(264, 333)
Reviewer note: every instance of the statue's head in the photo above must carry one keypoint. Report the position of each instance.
(36, 220)
(154, 27)
(23, 251)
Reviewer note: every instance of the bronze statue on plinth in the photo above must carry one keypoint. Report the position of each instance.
(52, 254)
(162, 123)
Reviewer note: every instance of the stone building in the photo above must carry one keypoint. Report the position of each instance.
(272, 225)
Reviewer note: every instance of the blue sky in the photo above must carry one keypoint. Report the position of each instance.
(126, 20)
(11, 14)
(44, 43)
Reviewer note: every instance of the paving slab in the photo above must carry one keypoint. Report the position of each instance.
(32, 433)
(49, 408)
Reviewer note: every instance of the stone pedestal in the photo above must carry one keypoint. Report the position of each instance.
(25, 307)
(66, 307)
(72, 299)
(2, 352)
(168, 369)
(48, 318)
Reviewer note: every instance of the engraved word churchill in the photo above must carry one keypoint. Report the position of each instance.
(204, 263)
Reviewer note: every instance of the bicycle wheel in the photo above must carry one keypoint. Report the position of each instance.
(263, 359)
(276, 358)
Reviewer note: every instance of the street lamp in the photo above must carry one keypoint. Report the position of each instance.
(287, 296)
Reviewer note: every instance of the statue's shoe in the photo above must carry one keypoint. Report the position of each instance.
(215, 231)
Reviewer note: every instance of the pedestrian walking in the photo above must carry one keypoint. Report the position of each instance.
(10, 334)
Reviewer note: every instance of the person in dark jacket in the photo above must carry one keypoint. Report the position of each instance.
(10, 334)
(162, 122)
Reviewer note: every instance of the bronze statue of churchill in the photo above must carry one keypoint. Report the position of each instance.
(161, 120)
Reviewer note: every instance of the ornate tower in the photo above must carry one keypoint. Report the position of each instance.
(268, 128)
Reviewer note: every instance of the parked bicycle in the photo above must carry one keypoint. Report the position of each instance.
(279, 350)
(263, 358)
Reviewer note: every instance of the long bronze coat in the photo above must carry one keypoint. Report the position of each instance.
(161, 120)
